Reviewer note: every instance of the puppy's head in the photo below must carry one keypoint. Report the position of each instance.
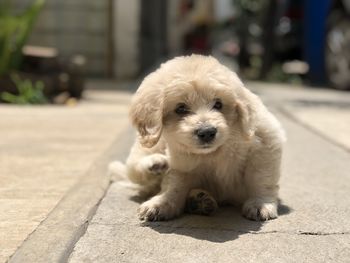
(195, 103)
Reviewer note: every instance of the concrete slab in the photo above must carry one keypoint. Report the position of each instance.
(332, 121)
(325, 111)
(313, 225)
(54, 238)
(44, 151)
(143, 244)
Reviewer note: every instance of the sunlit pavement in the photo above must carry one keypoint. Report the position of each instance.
(313, 225)
(324, 111)
(44, 152)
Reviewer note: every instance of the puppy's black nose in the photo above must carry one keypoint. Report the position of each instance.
(206, 134)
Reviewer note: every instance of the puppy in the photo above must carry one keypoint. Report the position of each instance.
(203, 137)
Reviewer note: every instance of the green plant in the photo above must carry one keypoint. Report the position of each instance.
(14, 33)
(28, 92)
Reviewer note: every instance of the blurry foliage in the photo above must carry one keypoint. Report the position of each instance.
(28, 92)
(14, 33)
(276, 74)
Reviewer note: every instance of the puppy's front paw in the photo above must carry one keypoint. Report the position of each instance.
(156, 209)
(259, 210)
(200, 202)
(156, 164)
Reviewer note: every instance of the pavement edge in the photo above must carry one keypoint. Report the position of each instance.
(54, 239)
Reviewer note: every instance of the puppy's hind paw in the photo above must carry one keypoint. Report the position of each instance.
(259, 210)
(200, 202)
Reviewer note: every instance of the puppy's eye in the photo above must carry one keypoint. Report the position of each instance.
(182, 109)
(218, 104)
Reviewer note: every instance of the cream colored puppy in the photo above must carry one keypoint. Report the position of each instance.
(200, 128)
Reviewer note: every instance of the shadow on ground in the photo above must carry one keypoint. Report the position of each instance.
(226, 225)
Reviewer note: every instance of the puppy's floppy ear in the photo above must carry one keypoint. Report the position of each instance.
(246, 116)
(246, 104)
(146, 111)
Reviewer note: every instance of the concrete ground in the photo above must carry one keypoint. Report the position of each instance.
(44, 152)
(313, 225)
(324, 111)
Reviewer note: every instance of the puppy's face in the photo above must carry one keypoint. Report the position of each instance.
(195, 103)
(198, 117)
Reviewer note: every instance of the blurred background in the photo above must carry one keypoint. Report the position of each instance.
(54, 45)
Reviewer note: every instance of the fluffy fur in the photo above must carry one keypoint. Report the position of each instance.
(240, 166)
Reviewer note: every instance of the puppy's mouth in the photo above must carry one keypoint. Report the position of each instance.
(205, 146)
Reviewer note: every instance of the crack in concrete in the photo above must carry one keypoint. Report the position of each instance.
(323, 233)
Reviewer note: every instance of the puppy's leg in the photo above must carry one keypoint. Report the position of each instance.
(156, 164)
(170, 202)
(146, 169)
(261, 180)
(200, 202)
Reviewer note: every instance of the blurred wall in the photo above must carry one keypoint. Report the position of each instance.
(74, 27)
(126, 37)
(82, 27)
(120, 38)
(174, 32)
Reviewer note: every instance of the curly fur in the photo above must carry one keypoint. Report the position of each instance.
(242, 164)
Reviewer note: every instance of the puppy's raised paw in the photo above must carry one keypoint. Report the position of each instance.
(259, 210)
(200, 202)
(157, 210)
(156, 164)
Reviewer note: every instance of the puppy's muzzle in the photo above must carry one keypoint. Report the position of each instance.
(206, 134)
